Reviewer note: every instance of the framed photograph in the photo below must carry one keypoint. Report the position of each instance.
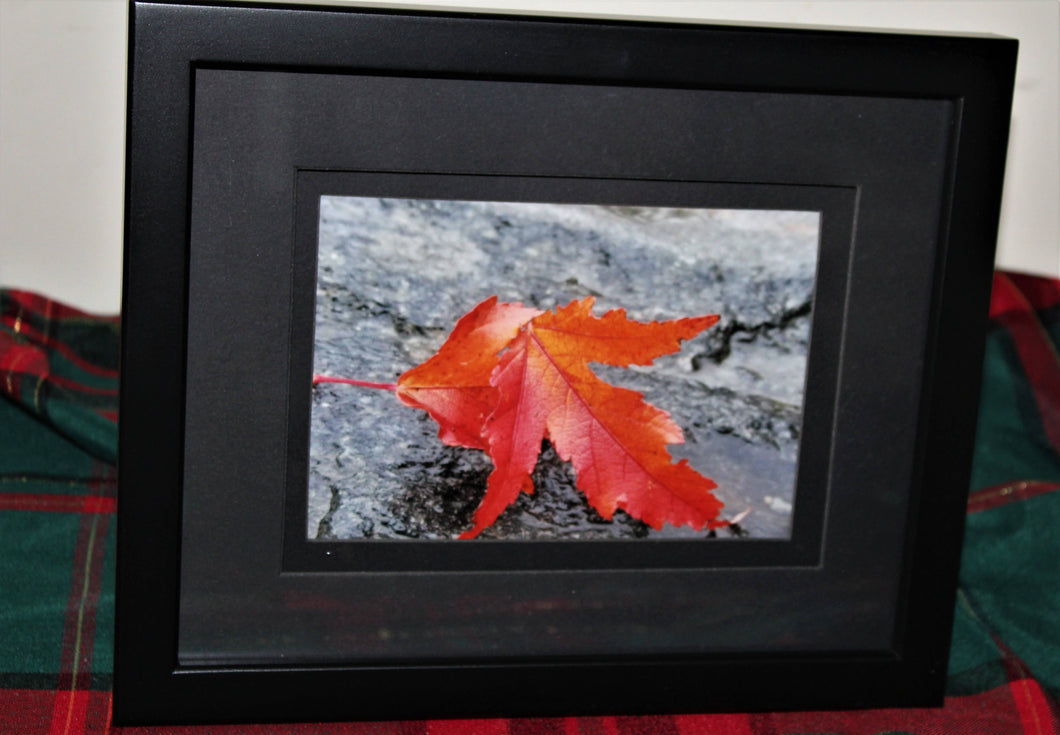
(490, 365)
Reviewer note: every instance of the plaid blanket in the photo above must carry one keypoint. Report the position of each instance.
(58, 379)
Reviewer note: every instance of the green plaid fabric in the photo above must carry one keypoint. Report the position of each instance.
(58, 444)
(58, 379)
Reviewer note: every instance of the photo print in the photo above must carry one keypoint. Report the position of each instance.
(395, 277)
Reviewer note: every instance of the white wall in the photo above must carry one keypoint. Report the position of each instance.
(62, 94)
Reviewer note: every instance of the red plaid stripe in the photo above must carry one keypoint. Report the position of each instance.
(58, 503)
(67, 384)
(1019, 707)
(30, 712)
(1009, 492)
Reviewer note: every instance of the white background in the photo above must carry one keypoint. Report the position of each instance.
(62, 117)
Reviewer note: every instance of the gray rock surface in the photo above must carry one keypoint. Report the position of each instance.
(395, 275)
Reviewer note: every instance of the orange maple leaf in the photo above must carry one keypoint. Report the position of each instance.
(510, 376)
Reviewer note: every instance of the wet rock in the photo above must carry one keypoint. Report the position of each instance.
(395, 275)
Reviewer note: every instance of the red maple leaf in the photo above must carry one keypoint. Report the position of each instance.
(453, 386)
(510, 376)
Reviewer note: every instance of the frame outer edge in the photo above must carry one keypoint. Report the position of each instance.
(143, 691)
(955, 371)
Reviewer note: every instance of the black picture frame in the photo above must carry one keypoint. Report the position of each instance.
(240, 114)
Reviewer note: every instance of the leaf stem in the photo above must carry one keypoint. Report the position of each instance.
(350, 381)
